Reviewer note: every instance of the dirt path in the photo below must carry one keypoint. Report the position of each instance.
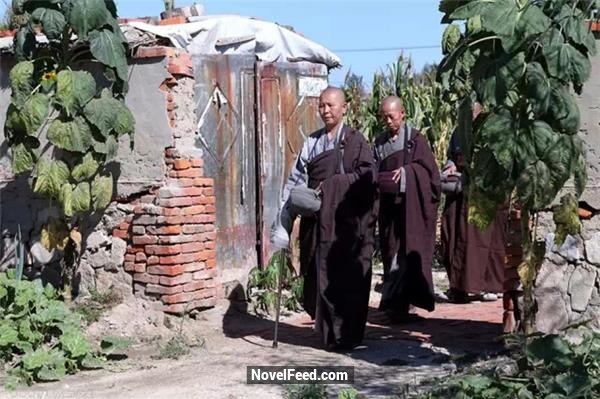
(392, 357)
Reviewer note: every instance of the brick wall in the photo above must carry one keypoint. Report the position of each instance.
(171, 231)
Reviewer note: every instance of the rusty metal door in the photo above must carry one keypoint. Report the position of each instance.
(225, 93)
(288, 113)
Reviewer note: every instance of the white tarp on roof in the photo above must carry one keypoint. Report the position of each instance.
(234, 34)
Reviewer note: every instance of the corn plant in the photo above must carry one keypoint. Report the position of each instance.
(63, 123)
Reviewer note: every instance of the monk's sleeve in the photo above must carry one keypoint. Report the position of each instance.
(422, 177)
(364, 166)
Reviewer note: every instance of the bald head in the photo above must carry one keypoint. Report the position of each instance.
(332, 107)
(391, 103)
(392, 113)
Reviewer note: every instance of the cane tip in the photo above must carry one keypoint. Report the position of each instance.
(274, 345)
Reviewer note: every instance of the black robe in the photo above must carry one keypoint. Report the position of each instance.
(336, 246)
(407, 223)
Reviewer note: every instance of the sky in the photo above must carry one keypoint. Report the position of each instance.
(366, 34)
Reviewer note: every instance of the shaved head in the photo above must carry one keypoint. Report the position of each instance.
(392, 113)
(332, 107)
(392, 103)
(334, 92)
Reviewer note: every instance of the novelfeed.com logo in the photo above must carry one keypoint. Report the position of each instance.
(299, 375)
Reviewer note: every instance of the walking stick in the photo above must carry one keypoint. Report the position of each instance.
(279, 288)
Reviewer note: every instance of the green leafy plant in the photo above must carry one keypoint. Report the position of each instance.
(40, 337)
(305, 391)
(546, 366)
(263, 285)
(522, 60)
(63, 123)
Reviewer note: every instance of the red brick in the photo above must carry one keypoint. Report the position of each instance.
(176, 202)
(120, 233)
(203, 303)
(195, 267)
(134, 249)
(153, 260)
(183, 297)
(203, 182)
(159, 289)
(210, 283)
(181, 279)
(144, 240)
(181, 164)
(179, 259)
(124, 226)
(192, 247)
(193, 286)
(129, 266)
(170, 97)
(172, 212)
(178, 239)
(170, 219)
(205, 274)
(209, 192)
(193, 210)
(193, 228)
(202, 219)
(164, 230)
(145, 278)
(211, 263)
(140, 257)
(210, 209)
(140, 268)
(163, 249)
(209, 245)
(173, 270)
(197, 163)
(208, 292)
(130, 258)
(154, 52)
(192, 172)
(170, 107)
(147, 199)
(209, 236)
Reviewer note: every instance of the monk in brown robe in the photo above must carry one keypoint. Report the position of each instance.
(336, 244)
(409, 189)
(474, 259)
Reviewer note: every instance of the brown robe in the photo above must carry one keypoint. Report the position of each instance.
(407, 223)
(474, 259)
(336, 246)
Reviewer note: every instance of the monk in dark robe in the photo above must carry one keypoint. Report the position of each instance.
(336, 243)
(409, 190)
(474, 259)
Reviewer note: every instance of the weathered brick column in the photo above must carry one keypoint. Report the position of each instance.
(171, 231)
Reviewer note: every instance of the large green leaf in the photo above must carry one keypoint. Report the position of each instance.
(23, 159)
(102, 190)
(34, 112)
(8, 335)
(74, 135)
(465, 9)
(20, 81)
(42, 357)
(110, 148)
(499, 132)
(54, 373)
(74, 342)
(494, 76)
(86, 169)
(538, 88)
(80, 199)
(532, 21)
(565, 62)
(108, 48)
(66, 199)
(53, 21)
(50, 176)
(576, 28)
(564, 109)
(74, 89)
(87, 15)
(108, 113)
